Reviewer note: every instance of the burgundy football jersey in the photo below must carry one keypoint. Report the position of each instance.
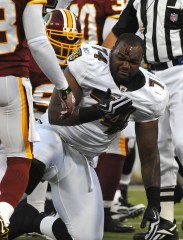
(14, 55)
(92, 15)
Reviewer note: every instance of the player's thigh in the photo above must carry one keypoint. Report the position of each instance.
(14, 117)
(80, 208)
(49, 148)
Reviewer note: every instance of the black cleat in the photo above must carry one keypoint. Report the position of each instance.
(111, 225)
(166, 231)
(3, 231)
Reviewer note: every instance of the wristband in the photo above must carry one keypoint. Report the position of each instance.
(65, 93)
(153, 197)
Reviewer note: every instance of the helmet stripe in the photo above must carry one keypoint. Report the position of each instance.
(69, 19)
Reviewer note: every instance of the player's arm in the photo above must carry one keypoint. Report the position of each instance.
(43, 52)
(55, 108)
(105, 107)
(127, 23)
(147, 137)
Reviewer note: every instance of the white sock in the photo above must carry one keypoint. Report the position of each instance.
(167, 203)
(125, 179)
(38, 196)
(167, 210)
(6, 210)
(46, 226)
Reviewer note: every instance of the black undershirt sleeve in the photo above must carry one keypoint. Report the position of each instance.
(127, 22)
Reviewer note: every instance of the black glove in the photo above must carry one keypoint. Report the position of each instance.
(152, 212)
(108, 107)
(152, 215)
(120, 122)
(111, 107)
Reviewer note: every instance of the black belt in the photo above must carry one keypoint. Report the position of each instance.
(164, 65)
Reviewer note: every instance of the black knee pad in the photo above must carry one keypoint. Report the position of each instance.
(35, 175)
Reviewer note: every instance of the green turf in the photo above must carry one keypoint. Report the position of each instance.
(136, 195)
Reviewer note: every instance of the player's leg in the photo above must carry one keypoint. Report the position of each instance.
(26, 218)
(170, 136)
(133, 210)
(109, 170)
(129, 134)
(14, 131)
(77, 196)
(127, 170)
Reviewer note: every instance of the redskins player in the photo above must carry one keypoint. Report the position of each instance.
(64, 33)
(17, 129)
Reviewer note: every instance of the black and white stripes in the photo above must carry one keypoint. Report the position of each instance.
(161, 25)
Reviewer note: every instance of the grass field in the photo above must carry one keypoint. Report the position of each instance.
(136, 195)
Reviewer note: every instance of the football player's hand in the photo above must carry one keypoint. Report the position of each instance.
(110, 107)
(68, 101)
(152, 216)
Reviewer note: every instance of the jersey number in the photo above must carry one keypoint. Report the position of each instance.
(89, 12)
(8, 29)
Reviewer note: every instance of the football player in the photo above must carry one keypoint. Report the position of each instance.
(67, 150)
(64, 33)
(17, 129)
(97, 19)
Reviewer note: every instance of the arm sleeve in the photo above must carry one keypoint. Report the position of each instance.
(128, 22)
(40, 47)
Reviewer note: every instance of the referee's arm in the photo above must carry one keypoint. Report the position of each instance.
(127, 23)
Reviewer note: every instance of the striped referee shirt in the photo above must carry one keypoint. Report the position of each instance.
(160, 23)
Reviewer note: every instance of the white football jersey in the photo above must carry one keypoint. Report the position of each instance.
(90, 67)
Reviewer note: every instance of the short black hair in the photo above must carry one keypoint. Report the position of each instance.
(132, 39)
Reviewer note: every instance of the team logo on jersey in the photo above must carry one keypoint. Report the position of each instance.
(173, 17)
(75, 54)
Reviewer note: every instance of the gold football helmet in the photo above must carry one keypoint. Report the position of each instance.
(64, 33)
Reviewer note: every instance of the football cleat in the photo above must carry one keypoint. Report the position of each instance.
(122, 210)
(3, 231)
(24, 220)
(166, 231)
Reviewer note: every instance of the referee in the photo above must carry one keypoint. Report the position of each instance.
(160, 24)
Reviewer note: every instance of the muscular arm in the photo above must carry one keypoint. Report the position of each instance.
(146, 135)
(55, 107)
(110, 40)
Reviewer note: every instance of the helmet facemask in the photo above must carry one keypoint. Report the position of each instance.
(64, 33)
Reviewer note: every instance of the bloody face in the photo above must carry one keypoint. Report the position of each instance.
(125, 61)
